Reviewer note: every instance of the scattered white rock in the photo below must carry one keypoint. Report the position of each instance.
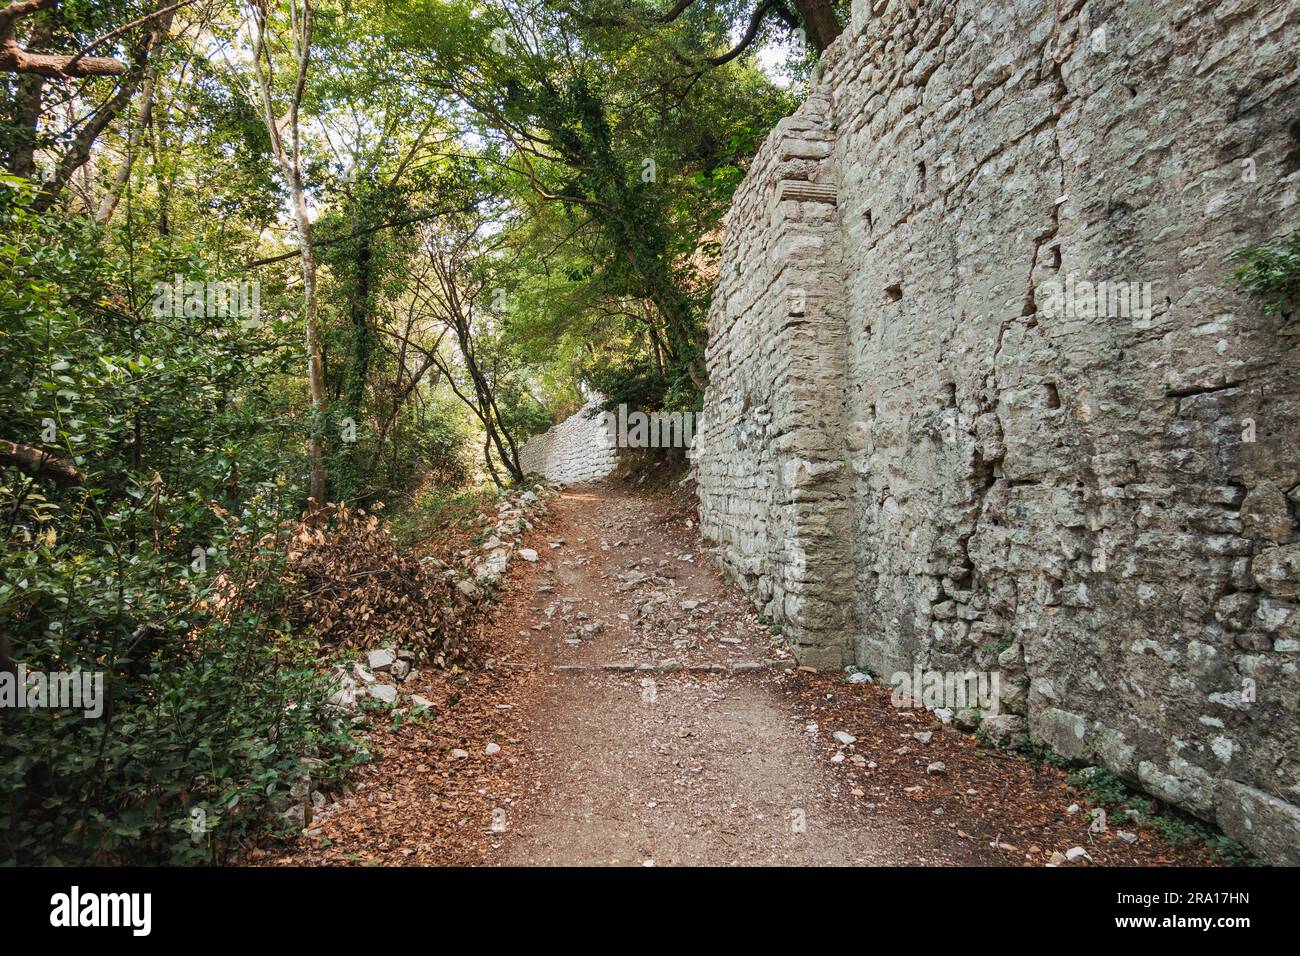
(491, 749)
(1077, 853)
(458, 754)
(383, 692)
(844, 738)
(528, 554)
(936, 769)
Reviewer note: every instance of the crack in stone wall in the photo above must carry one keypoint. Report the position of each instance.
(910, 459)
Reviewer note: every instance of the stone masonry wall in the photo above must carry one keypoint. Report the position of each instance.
(578, 449)
(913, 456)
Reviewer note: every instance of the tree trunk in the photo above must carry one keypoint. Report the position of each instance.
(108, 205)
(490, 414)
(820, 22)
(315, 363)
(289, 159)
(362, 344)
(26, 113)
(83, 143)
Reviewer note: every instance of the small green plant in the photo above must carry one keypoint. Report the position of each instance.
(1102, 788)
(1231, 852)
(415, 715)
(1271, 272)
(995, 648)
(1179, 832)
(1025, 745)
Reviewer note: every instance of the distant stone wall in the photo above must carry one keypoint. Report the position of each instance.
(577, 449)
(914, 456)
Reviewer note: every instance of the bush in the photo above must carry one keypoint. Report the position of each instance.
(136, 569)
(207, 721)
(1271, 272)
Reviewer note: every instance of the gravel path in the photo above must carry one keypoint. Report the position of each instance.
(691, 758)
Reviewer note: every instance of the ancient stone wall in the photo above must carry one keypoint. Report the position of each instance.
(578, 449)
(926, 445)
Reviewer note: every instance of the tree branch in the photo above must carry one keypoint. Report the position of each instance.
(14, 59)
(38, 463)
(751, 31)
(421, 217)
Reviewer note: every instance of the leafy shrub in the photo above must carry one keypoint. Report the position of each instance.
(209, 713)
(159, 566)
(1103, 788)
(1271, 272)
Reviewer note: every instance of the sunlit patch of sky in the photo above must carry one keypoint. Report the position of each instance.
(772, 54)
(772, 58)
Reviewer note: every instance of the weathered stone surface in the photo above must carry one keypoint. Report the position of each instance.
(1260, 820)
(920, 436)
(578, 449)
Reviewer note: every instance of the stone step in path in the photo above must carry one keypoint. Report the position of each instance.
(673, 667)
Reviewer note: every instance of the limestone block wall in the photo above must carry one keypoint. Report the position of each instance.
(577, 449)
(914, 455)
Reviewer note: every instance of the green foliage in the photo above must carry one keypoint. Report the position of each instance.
(619, 161)
(1102, 788)
(1271, 272)
(213, 701)
(1001, 644)
(206, 723)
(1024, 744)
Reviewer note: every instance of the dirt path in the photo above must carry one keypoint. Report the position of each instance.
(660, 751)
(635, 711)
